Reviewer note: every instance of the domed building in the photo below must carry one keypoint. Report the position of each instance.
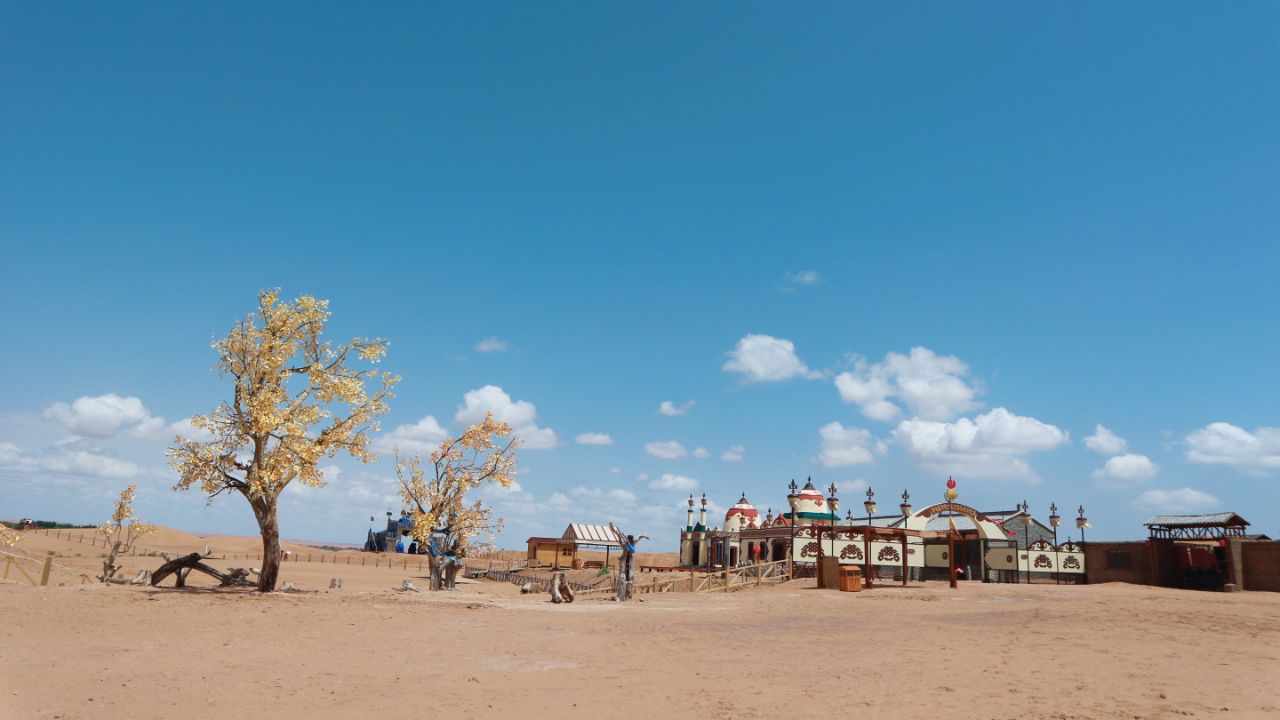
(742, 516)
(808, 505)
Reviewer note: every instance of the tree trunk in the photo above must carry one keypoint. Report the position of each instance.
(109, 565)
(437, 573)
(265, 512)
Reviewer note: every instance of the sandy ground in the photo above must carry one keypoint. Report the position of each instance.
(983, 651)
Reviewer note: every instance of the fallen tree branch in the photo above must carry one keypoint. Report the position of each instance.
(179, 567)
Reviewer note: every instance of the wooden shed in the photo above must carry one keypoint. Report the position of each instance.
(551, 552)
(562, 552)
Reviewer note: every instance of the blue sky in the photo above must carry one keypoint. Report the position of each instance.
(1071, 211)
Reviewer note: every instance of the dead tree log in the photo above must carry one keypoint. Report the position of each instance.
(180, 566)
(560, 590)
(141, 579)
(626, 581)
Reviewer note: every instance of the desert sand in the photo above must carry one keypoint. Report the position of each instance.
(982, 651)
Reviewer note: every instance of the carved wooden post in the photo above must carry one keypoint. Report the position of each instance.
(44, 574)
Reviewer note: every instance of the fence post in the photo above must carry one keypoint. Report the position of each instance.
(44, 574)
(691, 587)
(7, 562)
(726, 578)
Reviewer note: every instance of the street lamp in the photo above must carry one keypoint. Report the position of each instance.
(870, 506)
(1082, 522)
(1055, 520)
(791, 550)
(905, 507)
(834, 504)
(1026, 537)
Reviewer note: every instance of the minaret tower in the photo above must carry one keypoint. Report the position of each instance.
(702, 518)
(689, 524)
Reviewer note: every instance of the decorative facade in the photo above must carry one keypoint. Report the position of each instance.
(996, 546)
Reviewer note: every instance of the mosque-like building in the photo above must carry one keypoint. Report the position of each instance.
(991, 546)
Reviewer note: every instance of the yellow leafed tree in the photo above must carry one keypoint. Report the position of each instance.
(297, 399)
(122, 532)
(438, 499)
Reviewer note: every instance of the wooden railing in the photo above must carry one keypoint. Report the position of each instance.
(726, 580)
(539, 582)
(13, 561)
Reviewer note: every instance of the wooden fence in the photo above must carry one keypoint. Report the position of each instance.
(387, 560)
(727, 580)
(540, 583)
(14, 561)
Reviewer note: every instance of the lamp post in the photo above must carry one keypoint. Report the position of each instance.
(791, 549)
(1055, 520)
(1026, 537)
(870, 506)
(1082, 522)
(834, 504)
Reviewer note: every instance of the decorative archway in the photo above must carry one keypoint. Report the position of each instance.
(987, 528)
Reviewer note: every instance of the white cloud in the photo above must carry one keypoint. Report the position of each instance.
(593, 439)
(1183, 500)
(701, 453)
(762, 358)
(520, 415)
(1225, 444)
(529, 515)
(804, 277)
(1105, 442)
(992, 444)
(733, 454)
(848, 488)
(670, 409)
(184, 429)
(1126, 469)
(419, 438)
(842, 446)
(930, 385)
(492, 345)
(667, 450)
(67, 460)
(616, 494)
(99, 417)
(674, 482)
(615, 470)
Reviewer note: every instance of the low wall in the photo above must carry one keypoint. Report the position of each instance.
(1128, 562)
(1261, 564)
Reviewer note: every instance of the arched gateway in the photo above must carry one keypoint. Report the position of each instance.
(986, 528)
